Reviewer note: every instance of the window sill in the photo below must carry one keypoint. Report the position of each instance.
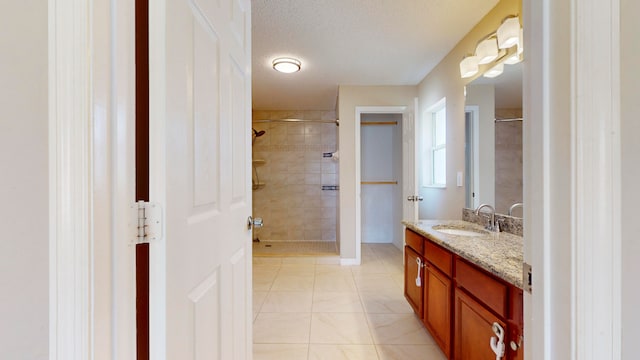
(435, 186)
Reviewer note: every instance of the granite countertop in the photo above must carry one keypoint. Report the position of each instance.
(498, 253)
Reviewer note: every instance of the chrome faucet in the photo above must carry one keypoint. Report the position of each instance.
(513, 207)
(493, 225)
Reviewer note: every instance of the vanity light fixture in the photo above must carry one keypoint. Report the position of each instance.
(495, 50)
(521, 42)
(517, 56)
(487, 50)
(509, 32)
(494, 71)
(513, 59)
(287, 65)
(468, 66)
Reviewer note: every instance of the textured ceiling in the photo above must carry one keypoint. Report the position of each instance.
(351, 42)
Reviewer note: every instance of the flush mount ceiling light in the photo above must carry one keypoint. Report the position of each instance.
(494, 71)
(286, 65)
(487, 50)
(469, 66)
(509, 32)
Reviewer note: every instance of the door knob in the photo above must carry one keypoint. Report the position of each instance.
(254, 223)
(411, 198)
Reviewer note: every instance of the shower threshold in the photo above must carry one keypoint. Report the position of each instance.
(294, 248)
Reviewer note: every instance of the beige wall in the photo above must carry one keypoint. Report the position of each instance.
(630, 109)
(24, 264)
(350, 97)
(291, 201)
(445, 81)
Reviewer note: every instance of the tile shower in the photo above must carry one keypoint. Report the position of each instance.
(288, 174)
(508, 160)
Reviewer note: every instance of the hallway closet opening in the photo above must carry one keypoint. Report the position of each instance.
(381, 178)
(295, 183)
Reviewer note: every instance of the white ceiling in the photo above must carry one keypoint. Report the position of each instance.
(351, 42)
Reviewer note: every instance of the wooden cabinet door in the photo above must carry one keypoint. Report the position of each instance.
(517, 354)
(472, 329)
(413, 270)
(515, 322)
(437, 308)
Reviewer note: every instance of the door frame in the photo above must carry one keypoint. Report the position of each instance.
(572, 175)
(360, 110)
(91, 263)
(157, 165)
(70, 185)
(474, 110)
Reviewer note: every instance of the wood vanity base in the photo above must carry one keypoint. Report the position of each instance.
(459, 303)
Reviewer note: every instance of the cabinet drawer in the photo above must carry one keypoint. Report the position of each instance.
(441, 258)
(414, 241)
(484, 287)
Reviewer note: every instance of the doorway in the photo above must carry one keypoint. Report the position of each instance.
(408, 180)
(295, 183)
(381, 178)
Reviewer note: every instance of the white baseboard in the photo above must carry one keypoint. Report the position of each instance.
(349, 261)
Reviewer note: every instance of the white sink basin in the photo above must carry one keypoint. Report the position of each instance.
(458, 231)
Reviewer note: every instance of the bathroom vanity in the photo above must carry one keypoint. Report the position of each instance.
(465, 283)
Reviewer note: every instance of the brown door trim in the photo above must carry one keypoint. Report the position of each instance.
(142, 171)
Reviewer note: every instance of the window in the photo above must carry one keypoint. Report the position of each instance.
(435, 146)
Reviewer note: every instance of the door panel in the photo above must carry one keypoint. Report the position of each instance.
(409, 163)
(206, 105)
(240, 129)
(200, 137)
(206, 317)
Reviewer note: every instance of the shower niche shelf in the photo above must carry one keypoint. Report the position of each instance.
(258, 162)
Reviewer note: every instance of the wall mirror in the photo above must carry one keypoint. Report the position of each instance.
(493, 141)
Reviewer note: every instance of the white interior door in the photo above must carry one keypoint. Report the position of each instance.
(200, 118)
(410, 194)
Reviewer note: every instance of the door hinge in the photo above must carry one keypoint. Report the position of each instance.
(526, 277)
(146, 222)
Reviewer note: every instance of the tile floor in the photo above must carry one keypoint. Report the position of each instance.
(312, 308)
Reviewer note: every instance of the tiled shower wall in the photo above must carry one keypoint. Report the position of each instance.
(291, 170)
(508, 157)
